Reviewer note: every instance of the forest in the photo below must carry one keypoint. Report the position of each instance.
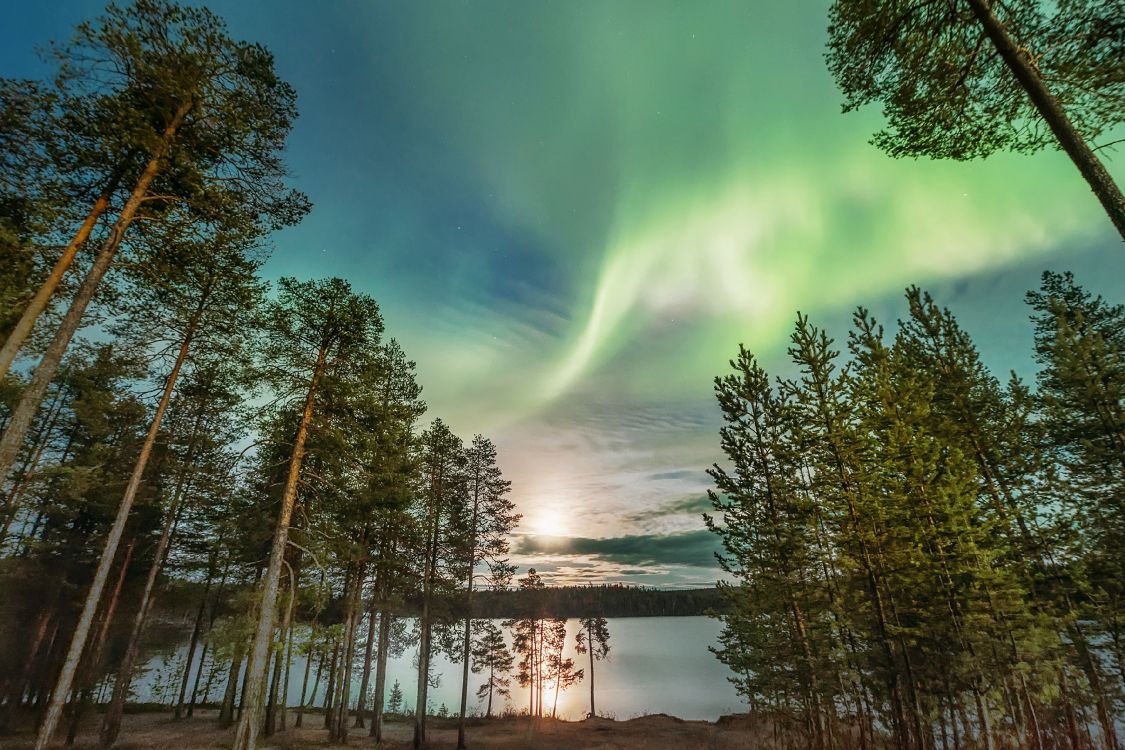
(917, 552)
(920, 546)
(181, 419)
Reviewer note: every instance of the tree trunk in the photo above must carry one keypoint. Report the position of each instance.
(466, 643)
(111, 724)
(424, 624)
(288, 665)
(339, 731)
(247, 735)
(47, 289)
(468, 617)
(44, 372)
(94, 657)
(590, 647)
(203, 653)
(194, 640)
(1053, 114)
(330, 691)
(491, 685)
(82, 629)
(226, 711)
(304, 686)
(364, 680)
(323, 654)
(380, 676)
(271, 712)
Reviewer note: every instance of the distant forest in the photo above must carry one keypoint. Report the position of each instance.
(567, 602)
(601, 601)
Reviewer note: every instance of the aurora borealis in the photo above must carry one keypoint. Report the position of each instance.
(573, 212)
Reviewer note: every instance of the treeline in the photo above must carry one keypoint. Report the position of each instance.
(168, 416)
(567, 602)
(601, 601)
(926, 556)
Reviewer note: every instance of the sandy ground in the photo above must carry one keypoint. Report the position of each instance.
(158, 731)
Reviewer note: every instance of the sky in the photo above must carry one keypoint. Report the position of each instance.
(573, 211)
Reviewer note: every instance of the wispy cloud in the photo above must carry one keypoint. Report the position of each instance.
(692, 548)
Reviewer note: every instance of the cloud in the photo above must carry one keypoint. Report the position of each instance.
(693, 505)
(691, 548)
(679, 474)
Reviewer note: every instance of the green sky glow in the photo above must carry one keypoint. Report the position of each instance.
(572, 212)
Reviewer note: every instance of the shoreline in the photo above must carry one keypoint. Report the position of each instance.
(144, 729)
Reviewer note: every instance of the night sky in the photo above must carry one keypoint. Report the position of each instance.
(573, 212)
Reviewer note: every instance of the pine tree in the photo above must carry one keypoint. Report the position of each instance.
(315, 329)
(964, 79)
(593, 638)
(490, 653)
(167, 109)
(394, 703)
(491, 519)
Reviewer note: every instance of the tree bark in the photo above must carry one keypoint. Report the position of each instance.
(246, 737)
(380, 677)
(424, 645)
(94, 657)
(206, 643)
(288, 655)
(364, 680)
(226, 711)
(304, 685)
(330, 689)
(339, 731)
(468, 621)
(44, 372)
(196, 628)
(1091, 168)
(590, 647)
(271, 712)
(111, 724)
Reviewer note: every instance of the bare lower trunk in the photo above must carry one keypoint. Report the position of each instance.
(203, 653)
(304, 685)
(466, 642)
(590, 645)
(111, 724)
(380, 676)
(368, 650)
(423, 680)
(330, 691)
(246, 737)
(94, 657)
(316, 685)
(193, 642)
(288, 669)
(226, 711)
(339, 732)
(271, 714)
(1053, 114)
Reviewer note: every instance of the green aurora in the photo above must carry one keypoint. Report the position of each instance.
(573, 212)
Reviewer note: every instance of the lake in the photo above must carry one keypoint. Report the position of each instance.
(655, 665)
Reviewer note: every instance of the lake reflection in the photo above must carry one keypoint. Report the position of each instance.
(655, 665)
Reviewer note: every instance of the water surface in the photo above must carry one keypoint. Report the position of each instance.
(655, 665)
